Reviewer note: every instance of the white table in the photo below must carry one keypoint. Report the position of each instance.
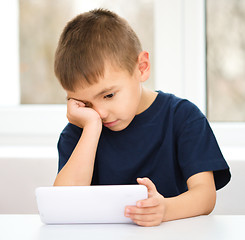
(211, 227)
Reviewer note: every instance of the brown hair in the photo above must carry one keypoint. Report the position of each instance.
(88, 41)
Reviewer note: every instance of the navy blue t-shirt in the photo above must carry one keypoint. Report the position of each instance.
(168, 143)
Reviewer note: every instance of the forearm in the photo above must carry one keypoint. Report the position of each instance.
(199, 200)
(78, 170)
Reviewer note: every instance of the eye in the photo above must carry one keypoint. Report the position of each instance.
(109, 95)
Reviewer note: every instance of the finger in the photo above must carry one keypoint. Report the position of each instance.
(148, 203)
(149, 184)
(71, 100)
(144, 218)
(74, 102)
(147, 224)
(79, 103)
(135, 210)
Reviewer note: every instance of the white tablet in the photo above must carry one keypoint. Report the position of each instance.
(87, 204)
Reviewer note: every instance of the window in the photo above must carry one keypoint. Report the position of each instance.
(176, 33)
(226, 60)
(40, 25)
(32, 105)
(180, 62)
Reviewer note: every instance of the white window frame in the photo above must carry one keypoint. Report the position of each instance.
(180, 49)
(180, 58)
(9, 49)
(21, 124)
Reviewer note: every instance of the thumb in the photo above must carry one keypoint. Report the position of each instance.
(149, 184)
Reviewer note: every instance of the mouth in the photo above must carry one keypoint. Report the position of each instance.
(110, 124)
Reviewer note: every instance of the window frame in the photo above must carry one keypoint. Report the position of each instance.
(9, 58)
(179, 36)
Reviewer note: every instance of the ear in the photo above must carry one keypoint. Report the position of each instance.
(144, 66)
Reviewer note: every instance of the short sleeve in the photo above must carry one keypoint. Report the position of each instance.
(198, 150)
(67, 142)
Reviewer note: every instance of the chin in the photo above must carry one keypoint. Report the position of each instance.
(119, 128)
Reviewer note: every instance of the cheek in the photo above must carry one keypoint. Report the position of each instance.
(127, 101)
(128, 106)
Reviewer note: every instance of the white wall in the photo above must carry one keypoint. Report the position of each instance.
(231, 198)
(19, 176)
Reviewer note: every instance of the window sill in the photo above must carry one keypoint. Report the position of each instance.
(44, 152)
(28, 152)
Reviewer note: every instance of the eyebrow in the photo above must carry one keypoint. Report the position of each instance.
(97, 95)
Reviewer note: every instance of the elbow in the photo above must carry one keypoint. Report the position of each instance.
(211, 201)
(208, 211)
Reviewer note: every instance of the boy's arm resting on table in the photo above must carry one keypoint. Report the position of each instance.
(78, 170)
(198, 200)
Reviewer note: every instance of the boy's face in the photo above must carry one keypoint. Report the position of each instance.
(117, 97)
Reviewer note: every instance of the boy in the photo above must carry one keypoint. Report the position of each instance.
(120, 131)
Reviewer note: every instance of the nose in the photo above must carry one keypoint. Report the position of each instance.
(101, 111)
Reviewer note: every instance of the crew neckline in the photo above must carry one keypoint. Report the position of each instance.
(145, 115)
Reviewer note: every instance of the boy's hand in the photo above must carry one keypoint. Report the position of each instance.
(148, 212)
(80, 115)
